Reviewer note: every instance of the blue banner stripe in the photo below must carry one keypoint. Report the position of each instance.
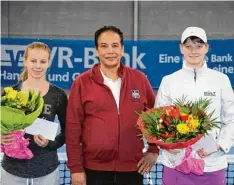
(72, 57)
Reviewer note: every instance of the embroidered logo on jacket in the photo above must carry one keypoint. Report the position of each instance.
(208, 93)
(135, 94)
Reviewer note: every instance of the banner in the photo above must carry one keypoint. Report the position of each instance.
(69, 58)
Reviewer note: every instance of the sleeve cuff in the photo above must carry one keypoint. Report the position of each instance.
(76, 169)
(153, 148)
(223, 146)
(50, 144)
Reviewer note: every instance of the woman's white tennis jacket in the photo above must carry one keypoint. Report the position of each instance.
(205, 83)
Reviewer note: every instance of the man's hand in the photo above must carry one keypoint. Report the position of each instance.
(146, 162)
(78, 178)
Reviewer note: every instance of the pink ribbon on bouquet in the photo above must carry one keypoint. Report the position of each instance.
(19, 147)
(190, 164)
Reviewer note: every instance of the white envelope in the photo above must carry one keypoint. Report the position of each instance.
(47, 129)
(207, 143)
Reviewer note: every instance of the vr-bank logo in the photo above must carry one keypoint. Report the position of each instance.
(12, 55)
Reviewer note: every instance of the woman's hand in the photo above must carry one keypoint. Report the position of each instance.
(202, 153)
(7, 139)
(41, 141)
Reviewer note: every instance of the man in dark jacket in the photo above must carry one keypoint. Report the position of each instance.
(103, 146)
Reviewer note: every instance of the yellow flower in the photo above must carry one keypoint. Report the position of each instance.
(12, 94)
(192, 123)
(182, 128)
(190, 118)
(23, 96)
(195, 123)
(8, 89)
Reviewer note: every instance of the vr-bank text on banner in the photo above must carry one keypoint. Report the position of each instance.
(69, 58)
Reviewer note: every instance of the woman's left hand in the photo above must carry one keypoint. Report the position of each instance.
(201, 152)
(41, 141)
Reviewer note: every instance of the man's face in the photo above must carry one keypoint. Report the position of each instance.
(194, 53)
(109, 49)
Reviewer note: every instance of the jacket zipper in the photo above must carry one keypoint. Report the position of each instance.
(195, 76)
(195, 82)
(118, 113)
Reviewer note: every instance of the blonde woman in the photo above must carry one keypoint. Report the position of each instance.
(42, 169)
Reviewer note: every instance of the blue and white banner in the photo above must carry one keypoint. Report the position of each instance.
(69, 58)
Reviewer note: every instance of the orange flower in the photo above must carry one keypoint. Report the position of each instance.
(175, 113)
(184, 117)
(166, 135)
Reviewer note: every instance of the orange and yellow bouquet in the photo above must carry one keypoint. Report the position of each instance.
(177, 126)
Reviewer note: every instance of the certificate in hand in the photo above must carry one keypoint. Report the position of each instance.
(47, 129)
(207, 143)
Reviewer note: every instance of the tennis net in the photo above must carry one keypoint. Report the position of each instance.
(153, 178)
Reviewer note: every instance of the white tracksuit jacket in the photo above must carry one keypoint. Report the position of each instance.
(206, 83)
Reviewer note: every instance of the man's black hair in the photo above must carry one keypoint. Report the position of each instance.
(105, 29)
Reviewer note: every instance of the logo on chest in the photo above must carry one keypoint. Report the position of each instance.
(209, 93)
(47, 110)
(135, 94)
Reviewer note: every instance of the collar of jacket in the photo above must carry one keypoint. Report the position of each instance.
(190, 70)
(96, 75)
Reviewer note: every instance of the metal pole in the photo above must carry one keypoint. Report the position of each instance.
(135, 23)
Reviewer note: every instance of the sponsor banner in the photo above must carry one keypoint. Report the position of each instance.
(69, 58)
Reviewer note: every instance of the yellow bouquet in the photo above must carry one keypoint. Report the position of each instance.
(19, 110)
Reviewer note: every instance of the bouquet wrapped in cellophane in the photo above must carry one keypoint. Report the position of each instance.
(177, 126)
(19, 110)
